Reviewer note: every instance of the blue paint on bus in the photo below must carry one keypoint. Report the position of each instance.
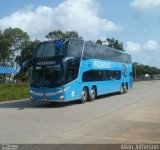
(61, 76)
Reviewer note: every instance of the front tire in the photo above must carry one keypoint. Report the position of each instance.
(84, 95)
(93, 94)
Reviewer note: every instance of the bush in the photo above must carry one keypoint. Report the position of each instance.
(14, 91)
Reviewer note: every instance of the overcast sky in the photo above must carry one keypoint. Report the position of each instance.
(136, 23)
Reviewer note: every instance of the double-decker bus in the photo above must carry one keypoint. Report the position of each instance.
(74, 69)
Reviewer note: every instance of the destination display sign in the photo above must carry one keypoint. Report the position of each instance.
(46, 63)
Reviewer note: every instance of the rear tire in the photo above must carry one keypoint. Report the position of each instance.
(93, 94)
(84, 95)
(125, 88)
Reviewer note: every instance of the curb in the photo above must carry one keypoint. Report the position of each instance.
(13, 101)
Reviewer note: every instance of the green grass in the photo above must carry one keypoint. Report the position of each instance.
(14, 91)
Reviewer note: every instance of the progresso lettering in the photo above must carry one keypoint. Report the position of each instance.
(47, 63)
(101, 65)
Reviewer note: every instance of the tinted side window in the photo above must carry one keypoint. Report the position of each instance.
(116, 75)
(88, 50)
(101, 75)
(106, 53)
(72, 70)
(86, 76)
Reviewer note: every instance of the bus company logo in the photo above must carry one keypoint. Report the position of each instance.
(47, 63)
(124, 70)
(101, 65)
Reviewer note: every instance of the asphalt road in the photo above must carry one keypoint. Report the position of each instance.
(130, 118)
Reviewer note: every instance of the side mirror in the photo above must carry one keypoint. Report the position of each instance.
(25, 65)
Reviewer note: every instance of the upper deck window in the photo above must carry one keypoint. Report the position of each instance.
(92, 50)
(75, 48)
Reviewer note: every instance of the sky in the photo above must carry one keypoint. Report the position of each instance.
(136, 23)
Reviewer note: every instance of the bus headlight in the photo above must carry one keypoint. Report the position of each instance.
(62, 90)
(65, 89)
(59, 91)
(61, 97)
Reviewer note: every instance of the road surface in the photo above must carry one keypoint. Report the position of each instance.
(130, 118)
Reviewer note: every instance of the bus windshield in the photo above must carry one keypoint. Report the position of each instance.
(51, 49)
(48, 77)
(55, 75)
(71, 48)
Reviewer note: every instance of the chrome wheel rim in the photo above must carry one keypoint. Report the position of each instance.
(84, 96)
(121, 89)
(125, 89)
(93, 94)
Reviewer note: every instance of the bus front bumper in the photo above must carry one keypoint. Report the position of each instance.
(56, 95)
(60, 98)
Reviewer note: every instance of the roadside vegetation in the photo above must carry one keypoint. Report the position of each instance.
(145, 72)
(14, 91)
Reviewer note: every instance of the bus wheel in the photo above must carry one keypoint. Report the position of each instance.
(125, 88)
(84, 95)
(93, 94)
(121, 89)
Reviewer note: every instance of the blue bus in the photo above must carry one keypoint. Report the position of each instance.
(74, 69)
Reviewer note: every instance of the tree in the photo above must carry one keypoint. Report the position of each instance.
(5, 51)
(100, 42)
(58, 34)
(11, 40)
(16, 37)
(111, 43)
(27, 51)
(114, 44)
(1, 34)
(55, 35)
(72, 35)
(26, 54)
(140, 70)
